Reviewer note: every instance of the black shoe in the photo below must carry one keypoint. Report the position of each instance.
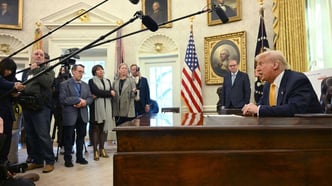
(69, 164)
(29, 160)
(82, 161)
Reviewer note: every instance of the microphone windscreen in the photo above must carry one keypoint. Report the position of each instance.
(221, 14)
(134, 1)
(149, 23)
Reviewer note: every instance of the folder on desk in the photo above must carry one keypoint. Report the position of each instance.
(314, 115)
(230, 111)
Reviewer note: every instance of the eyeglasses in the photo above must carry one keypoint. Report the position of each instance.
(79, 71)
(232, 65)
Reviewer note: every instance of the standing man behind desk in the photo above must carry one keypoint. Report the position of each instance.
(75, 96)
(236, 89)
(142, 101)
(285, 92)
(36, 112)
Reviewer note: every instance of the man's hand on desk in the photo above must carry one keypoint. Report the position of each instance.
(250, 109)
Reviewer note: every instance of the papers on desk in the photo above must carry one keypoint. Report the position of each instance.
(224, 116)
(316, 115)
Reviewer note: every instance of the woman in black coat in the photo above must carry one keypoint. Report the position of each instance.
(7, 83)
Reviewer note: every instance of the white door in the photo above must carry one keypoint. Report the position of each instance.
(164, 76)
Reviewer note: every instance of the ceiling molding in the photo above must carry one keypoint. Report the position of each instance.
(94, 18)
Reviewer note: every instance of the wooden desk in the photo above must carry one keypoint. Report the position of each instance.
(225, 150)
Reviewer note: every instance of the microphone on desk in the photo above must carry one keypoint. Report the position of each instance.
(220, 12)
(147, 21)
(134, 1)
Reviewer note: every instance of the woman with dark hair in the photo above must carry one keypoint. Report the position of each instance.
(100, 110)
(7, 83)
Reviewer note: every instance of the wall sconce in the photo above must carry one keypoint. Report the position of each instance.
(158, 47)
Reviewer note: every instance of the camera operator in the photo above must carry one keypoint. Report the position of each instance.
(7, 177)
(36, 102)
(63, 75)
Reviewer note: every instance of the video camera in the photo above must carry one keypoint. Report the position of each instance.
(5, 166)
(17, 167)
(70, 61)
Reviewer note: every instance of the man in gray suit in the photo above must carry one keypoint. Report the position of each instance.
(236, 89)
(75, 96)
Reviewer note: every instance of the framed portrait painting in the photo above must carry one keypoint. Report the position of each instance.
(232, 9)
(218, 50)
(159, 11)
(11, 14)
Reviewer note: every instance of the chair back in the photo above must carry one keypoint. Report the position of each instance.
(170, 109)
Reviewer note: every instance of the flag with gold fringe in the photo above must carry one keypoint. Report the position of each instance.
(261, 46)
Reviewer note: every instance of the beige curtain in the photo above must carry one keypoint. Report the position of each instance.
(290, 32)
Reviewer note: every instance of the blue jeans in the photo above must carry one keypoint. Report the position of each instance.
(37, 126)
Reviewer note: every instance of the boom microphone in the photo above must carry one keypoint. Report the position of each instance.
(149, 23)
(221, 14)
(134, 1)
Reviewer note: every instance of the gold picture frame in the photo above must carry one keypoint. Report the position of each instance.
(234, 44)
(232, 8)
(164, 12)
(11, 14)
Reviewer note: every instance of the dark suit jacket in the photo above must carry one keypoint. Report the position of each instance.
(68, 98)
(6, 106)
(144, 95)
(238, 95)
(295, 96)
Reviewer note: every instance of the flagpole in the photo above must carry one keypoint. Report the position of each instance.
(191, 82)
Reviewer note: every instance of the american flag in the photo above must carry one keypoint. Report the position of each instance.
(192, 119)
(191, 84)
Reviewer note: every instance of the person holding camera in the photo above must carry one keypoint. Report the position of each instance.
(36, 105)
(63, 75)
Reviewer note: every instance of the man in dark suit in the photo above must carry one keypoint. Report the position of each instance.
(285, 92)
(75, 96)
(236, 88)
(142, 101)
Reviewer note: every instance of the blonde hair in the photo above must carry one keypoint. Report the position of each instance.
(121, 65)
(273, 56)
